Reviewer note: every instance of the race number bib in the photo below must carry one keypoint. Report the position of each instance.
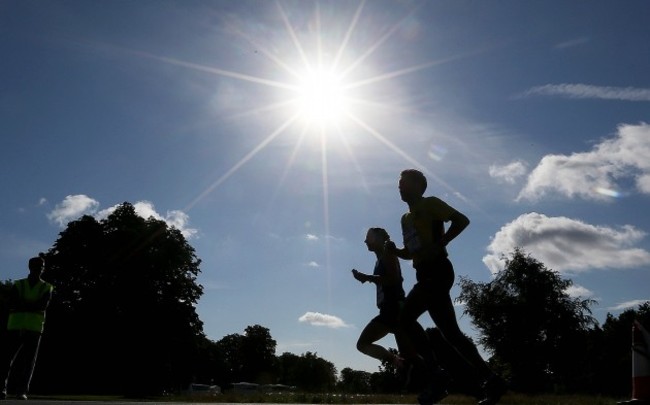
(411, 240)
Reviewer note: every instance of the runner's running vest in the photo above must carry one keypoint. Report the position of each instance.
(31, 321)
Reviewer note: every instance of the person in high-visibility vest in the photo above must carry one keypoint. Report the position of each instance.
(29, 299)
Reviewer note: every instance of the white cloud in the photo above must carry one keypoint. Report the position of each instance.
(643, 183)
(72, 207)
(628, 305)
(145, 209)
(626, 156)
(313, 264)
(586, 91)
(180, 220)
(569, 245)
(578, 291)
(310, 236)
(318, 319)
(510, 172)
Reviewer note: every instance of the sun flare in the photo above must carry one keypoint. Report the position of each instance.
(326, 87)
(322, 98)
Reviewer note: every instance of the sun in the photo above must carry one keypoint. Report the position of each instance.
(321, 98)
(321, 80)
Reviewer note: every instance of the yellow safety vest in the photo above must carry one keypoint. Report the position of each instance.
(31, 321)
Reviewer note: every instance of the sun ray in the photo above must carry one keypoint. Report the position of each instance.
(319, 39)
(399, 151)
(348, 35)
(355, 162)
(326, 212)
(262, 48)
(371, 49)
(216, 71)
(405, 71)
(371, 103)
(195, 66)
(242, 162)
(289, 164)
(293, 35)
(274, 58)
(413, 161)
(262, 109)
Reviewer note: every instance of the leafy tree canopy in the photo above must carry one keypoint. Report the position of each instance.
(125, 293)
(308, 372)
(528, 321)
(249, 357)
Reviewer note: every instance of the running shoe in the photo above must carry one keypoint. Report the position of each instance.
(436, 390)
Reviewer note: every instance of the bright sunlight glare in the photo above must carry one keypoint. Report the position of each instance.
(322, 98)
(322, 94)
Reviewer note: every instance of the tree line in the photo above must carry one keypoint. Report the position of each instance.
(123, 321)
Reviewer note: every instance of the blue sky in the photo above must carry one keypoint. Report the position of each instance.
(273, 133)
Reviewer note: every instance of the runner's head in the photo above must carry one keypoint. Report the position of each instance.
(412, 184)
(36, 265)
(376, 238)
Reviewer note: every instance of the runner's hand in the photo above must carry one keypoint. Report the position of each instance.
(390, 247)
(359, 276)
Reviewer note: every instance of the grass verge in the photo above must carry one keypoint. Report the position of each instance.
(315, 398)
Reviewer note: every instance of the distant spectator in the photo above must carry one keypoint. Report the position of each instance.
(28, 301)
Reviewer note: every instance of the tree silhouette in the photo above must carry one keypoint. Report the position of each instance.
(230, 351)
(389, 379)
(354, 381)
(249, 357)
(123, 316)
(258, 351)
(610, 362)
(307, 372)
(534, 329)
